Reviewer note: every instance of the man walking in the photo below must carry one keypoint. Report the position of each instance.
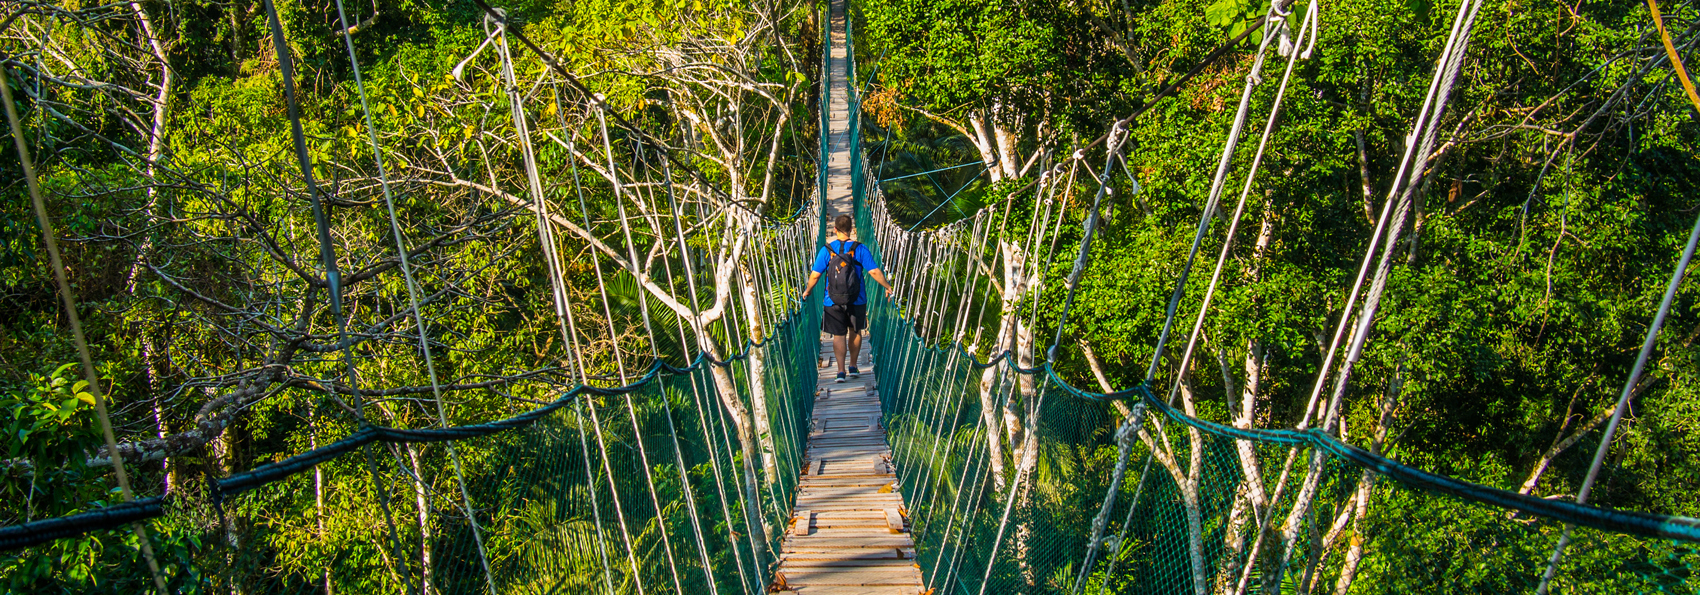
(843, 261)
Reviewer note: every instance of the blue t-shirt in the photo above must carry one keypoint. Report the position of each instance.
(863, 256)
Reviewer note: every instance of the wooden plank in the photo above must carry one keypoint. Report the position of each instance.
(841, 481)
(848, 452)
(790, 553)
(842, 406)
(856, 473)
(846, 408)
(853, 563)
(815, 466)
(850, 419)
(802, 522)
(850, 440)
(879, 590)
(847, 412)
(851, 577)
(825, 524)
(893, 520)
(842, 491)
(846, 432)
(870, 514)
(819, 507)
(824, 542)
(818, 502)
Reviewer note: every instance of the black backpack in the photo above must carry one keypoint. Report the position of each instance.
(843, 274)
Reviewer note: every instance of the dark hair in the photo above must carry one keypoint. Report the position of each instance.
(843, 224)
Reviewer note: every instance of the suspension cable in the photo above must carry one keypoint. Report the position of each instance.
(405, 262)
(333, 280)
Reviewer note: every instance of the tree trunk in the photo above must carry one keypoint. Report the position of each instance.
(989, 415)
(984, 140)
(1363, 177)
(318, 492)
(1028, 459)
(1233, 541)
(1253, 497)
(1009, 157)
(1355, 552)
(422, 510)
(223, 448)
(1194, 525)
(758, 374)
(1186, 482)
(741, 420)
(156, 152)
(1016, 340)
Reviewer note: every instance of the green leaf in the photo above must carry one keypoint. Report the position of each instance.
(1420, 8)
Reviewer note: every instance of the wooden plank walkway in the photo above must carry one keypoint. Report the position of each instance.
(849, 534)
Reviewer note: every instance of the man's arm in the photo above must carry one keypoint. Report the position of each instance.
(873, 268)
(876, 274)
(810, 286)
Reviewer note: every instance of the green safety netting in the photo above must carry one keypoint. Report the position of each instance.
(1185, 523)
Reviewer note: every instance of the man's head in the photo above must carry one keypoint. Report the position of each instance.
(843, 224)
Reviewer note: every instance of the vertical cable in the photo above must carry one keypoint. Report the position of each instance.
(333, 279)
(406, 264)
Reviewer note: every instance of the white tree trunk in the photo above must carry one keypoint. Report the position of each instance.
(1009, 157)
(757, 377)
(318, 494)
(1187, 483)
(984, 141)
(989, 415)
(156, 152)
(1194, 533)
(1355, 552)
(1233, 541)
(742, 422)
(1016, 339)
(422, 510)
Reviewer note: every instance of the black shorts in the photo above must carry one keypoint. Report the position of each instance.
(838, 318)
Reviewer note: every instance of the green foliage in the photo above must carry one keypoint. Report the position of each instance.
(49, 420)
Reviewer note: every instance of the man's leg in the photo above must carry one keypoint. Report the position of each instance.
(855, 348)
(838, 349)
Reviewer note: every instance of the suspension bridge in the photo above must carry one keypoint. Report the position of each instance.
(959, 462)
